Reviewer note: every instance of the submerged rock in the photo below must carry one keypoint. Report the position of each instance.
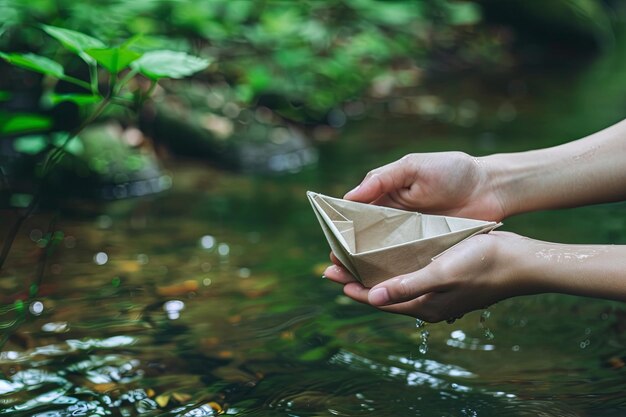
(208, 123)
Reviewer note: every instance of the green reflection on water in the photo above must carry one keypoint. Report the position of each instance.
(258, 332)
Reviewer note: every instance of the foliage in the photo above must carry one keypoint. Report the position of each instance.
(115, 60)
(154, 65)
(311, 54)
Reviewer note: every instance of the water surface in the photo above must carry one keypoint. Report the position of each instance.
(208, 299)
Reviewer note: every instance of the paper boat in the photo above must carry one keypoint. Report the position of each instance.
(376, 243)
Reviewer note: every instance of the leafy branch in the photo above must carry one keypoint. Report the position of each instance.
(121, 63)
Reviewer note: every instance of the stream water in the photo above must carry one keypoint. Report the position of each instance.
(208, 298)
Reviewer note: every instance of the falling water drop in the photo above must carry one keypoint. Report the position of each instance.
(423, 346)
(483, 318)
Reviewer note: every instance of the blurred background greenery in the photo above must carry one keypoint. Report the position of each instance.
(205, 291)
(285, 76)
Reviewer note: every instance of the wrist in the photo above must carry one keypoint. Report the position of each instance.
(518, 180)
(497, 177)
(515, 265)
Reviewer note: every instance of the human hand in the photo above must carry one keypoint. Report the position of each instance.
(472, 275)
(446, 183)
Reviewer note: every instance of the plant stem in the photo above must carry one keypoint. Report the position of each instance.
(153, 84)
(11, 235)
(50, 162)
(93, 77)
(78, 82)
(129, 75)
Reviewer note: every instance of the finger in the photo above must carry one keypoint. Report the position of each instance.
(356, 291)
(380, 181)
(418, 307)
(338, 274)
(387, 201)
(404, 288)
(335, 260)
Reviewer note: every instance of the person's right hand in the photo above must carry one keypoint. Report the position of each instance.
(446, 183)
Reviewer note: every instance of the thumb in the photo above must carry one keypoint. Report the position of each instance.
(381, 181)
(403, 288)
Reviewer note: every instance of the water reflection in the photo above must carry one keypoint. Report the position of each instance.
(221, 310)
(173, 308)
(100, 258)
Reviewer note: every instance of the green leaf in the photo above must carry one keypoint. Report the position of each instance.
(5, 95)
(31, 145)
(169, 64)
(35, 63)
(259, 78)
(113, 59)
(463, 13)
(23, 122)
(74, 41)
(79, 99)
(21, 201)
(73, 146)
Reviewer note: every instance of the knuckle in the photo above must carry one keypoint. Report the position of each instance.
(405, 289)
(439, 269)
(372, 173)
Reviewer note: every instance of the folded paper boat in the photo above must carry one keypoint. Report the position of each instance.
(376, 243)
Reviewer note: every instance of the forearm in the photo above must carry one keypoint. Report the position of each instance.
(586, 270)
(587, 171)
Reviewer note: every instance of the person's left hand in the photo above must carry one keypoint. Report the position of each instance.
(472, 275)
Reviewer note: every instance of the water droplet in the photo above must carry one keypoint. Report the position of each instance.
(423, 347)
(244, 273)
(223, 249)
(36, 308)
(206, 282)
(207, 242)
(143, 259)
(100, 258)
(173, 308)
(483, 318)
(419, 323)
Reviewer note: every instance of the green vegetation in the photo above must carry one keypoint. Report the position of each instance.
(206, 295)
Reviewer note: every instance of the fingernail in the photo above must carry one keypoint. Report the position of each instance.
(379, 296)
